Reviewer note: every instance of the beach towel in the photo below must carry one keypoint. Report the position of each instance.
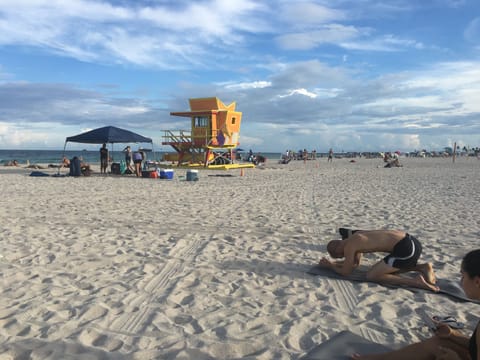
(38, 173)
(342, 345)
(447, 287)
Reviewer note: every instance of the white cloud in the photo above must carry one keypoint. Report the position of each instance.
(383, 43)
(248, 85)
(162, 36)
(17, 135)
(328, 34)
(303, 13)
(303, 92)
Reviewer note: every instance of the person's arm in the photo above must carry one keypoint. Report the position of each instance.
(346, 266)
(444, 353)
(445, 331)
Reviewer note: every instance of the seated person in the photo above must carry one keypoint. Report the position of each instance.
(259, 159)
(447, 343)
(79, 167)
(393, 163)
(85, 168)
(65, 162)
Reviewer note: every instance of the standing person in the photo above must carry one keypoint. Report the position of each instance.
(330, 155)
(447, 343)
(103, 158)
(137, 160)
(128, 158)
(404, 251)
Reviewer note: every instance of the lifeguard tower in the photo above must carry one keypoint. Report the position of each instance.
(214, 134)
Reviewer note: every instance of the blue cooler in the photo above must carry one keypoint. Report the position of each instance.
(192, 175)
(166, 174)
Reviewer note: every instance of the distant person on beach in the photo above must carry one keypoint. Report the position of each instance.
(404, 251)
(103, 159)
(12, 163)
(85, 168)
(128, 159)
(137, 160)
(259, 159)
(33, 166)
(65, 162)
(447, 343)
(393, 163)
(330, 155)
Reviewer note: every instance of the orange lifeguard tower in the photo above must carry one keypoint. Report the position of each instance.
(214, 134)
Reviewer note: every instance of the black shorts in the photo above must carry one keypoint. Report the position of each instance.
(405, 254)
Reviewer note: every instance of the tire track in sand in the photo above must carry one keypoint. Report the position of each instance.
(156, 289)
(160, 285)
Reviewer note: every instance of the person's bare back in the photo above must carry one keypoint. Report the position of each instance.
(369, 241)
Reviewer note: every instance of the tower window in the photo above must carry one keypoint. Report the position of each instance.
(201, 121)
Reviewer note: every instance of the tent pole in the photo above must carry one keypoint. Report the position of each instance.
(63, 157)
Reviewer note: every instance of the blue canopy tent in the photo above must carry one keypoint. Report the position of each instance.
(108, 135)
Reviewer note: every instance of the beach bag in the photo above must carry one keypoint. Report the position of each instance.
(75, 169)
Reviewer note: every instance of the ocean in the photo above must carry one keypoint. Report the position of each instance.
(89, 156)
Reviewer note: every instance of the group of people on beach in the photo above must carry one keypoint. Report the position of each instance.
(137, 157)
(404, 251)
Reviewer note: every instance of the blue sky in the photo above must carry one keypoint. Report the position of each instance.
(361, 75)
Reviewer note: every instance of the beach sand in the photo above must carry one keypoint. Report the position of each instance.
(111, 267)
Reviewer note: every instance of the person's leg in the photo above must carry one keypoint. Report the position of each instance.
(425, 269)
(383, 273)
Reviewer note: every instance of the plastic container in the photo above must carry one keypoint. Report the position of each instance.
(166, 174)
(192, 175)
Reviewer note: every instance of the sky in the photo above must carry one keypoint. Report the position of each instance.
(352, 75)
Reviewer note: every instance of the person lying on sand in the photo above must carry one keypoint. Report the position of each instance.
(34, 166)
(447, 343)
(404, 251)
(12, 163)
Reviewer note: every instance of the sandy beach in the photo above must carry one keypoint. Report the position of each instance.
(119, 267)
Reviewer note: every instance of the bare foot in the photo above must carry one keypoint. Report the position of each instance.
(423, 284)
(427, 272)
